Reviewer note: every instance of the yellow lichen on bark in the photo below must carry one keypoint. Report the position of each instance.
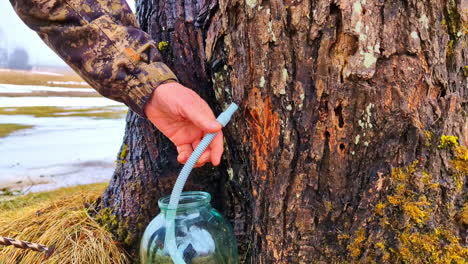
(406, 215)
(416, 212)
(355, 246)
(163, 45)
(459, 162)
(379, 208)
(448, 141)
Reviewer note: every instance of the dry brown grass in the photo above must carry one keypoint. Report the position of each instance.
(58, 218)
(50, 93)
(29, 78)
(104, 112)
(7, 129)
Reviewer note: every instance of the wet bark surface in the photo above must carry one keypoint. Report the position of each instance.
(335, 147)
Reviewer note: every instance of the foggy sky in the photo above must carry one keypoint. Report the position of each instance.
(14, 33)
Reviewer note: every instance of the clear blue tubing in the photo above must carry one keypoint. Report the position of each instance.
(170, 241)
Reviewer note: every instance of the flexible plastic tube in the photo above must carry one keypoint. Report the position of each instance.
(170, 241)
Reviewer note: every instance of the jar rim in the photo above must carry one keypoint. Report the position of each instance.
(192, 199)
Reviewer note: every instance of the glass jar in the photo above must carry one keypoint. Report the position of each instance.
(202, 234)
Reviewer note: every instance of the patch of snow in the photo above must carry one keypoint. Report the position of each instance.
(56, 101)
(47, 73)
(13, 88)
(68, 82)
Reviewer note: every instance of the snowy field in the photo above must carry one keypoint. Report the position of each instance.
(56, 101)
(57, 151)
(13, 88)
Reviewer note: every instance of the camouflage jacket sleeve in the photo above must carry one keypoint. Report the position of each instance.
(100, 39)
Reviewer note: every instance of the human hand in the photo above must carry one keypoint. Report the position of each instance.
(184, 117)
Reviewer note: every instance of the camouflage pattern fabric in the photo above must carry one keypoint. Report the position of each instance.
(101, 40)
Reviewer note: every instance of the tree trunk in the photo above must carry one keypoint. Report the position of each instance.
(335, 154)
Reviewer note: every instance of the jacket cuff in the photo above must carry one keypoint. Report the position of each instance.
(151, 76)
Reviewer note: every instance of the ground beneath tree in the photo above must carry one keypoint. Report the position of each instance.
(58, 218)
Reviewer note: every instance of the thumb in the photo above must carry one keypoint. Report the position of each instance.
(201, 115)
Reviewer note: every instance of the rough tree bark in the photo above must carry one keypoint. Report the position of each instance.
(334, 153)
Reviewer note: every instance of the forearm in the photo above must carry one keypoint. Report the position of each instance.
(102, 42)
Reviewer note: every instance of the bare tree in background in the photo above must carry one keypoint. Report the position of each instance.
(19, 59)
(335, 154)
(3, 50)
(3, 58)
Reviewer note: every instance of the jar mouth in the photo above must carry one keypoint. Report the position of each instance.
(187, 200)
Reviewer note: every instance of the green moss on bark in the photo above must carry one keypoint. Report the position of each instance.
(111, 223)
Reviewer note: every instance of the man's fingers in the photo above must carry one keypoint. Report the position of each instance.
(205, 157)
(186, 150)
(217, 149)
(200, 114)
(184, 153)
(196, 143)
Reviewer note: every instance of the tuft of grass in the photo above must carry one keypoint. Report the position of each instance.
(6, 192)
(58, 218)
(53, 111)
(7, 129)
(41, 197)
